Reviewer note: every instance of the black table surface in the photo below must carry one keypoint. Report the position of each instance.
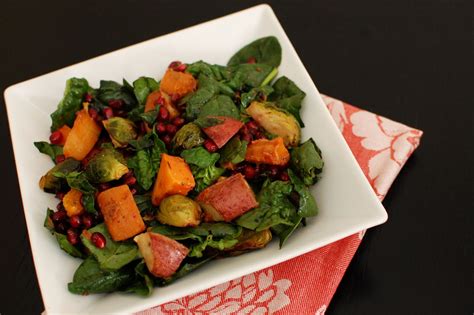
(407, 60)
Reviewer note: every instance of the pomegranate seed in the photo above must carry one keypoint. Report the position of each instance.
(210, 145)
(120, 113)
(60, 158)
(174, 65)
(59, 216)
(166, 139)
(116, 104)
(181, 67)
(75, 221)
(160, 101)
(98, 240)
(93, 114)
(284, 176)
(60, 207)
(171, 129)
(249, 172)
(104, 186)
(130, 181)
(87, 220)
(272, 171)
(56, 137)
(178, 121)
(133, 191)
(60, 195)
(251, 60)
(60, 227)
(108, 112)
(160, 128)
(88, 97)
(252, 125)
(175, 97)
(72, 236)
(163, 113)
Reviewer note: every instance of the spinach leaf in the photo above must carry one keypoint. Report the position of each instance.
(307, 162)
(217, 230)
(88, 201)
(146, 161)
(175, 233)
(274, 207)
(288, 96)
(284, 231)
(70, 104)
(307, 203)
(51, 150)
(202, 166)
(89, 278)
(76, 180)
(114, 255)
(48, 222)
(150, 116)
(259, 93)
(221, 105)
(221, 244)
(144, 203)
(265, 50)
(144, 86)
(211, 71)
(186, 268)
(144, 284)
(111, 90)
(52, 184)
(234, 151)
(249, 75)
(200, 157)
(66, 246)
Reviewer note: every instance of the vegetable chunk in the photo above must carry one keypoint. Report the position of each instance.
(121, 214)
(174, 177)
(72, 202)
(82, 137)
(177, 83)
(227, 199)
(64, 130)
(223, 132)
(155, 97)
(162, 255)
(267, 151)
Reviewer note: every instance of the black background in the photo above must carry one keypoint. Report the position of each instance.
(407, 60)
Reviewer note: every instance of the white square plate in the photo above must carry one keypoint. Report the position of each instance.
(346, 200)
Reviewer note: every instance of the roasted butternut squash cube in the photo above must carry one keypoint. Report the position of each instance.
(121, 214)
(223, 132)
(227, 199)
(72, 202)
(174, 177)
(267, 151)
(162, 255)
(177, 84)
(81, 139)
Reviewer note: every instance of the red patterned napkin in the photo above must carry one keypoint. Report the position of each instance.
(381, 147)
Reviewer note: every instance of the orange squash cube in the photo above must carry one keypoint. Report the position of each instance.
(72, 202)
(177, 83)
(267, 151)
(82, 137)
(174, 177)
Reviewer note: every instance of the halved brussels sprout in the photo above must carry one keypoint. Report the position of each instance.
(52, 184)
(276, 122)
(105, 166)
(179, 211)
(250, 240)
(188, 137)
(120, 130)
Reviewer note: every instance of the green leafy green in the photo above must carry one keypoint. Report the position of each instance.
(114, 255)
(175, 233)
(198, 249)
(274, 207)
(144, 284)
(88, 201)
(144, 86)
(146, 161)
(284, 231)
(89, 278)
(111, 90)
(211, 71)
(77, 180)
(48, 222)
(265, 50)
(51, 150)
(234, 151)
(288, 96)
(150, 116)
(259, 93)
(217, 230)
(307, 203)
(66, 246)
(307, 162)
(249, 75)
(70, 104)
(221, 105)
(203, 167)
(53, 184)
(144, 203)
(106, 166)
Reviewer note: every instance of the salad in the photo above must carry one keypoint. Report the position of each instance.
(157, 177)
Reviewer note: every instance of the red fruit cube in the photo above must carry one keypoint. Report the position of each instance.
(224, 131)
